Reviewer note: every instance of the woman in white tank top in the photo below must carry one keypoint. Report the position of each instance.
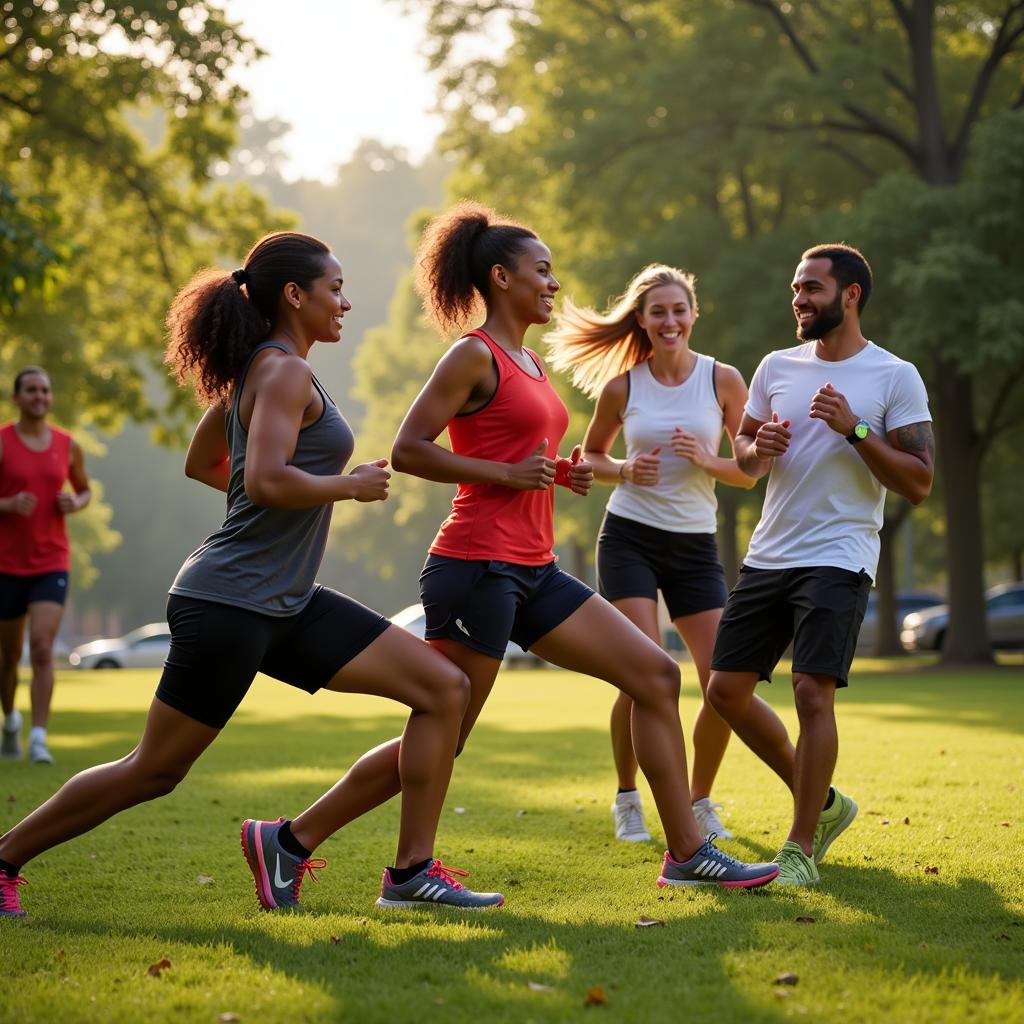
(672, 405)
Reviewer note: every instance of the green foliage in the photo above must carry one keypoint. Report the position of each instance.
(916, 920)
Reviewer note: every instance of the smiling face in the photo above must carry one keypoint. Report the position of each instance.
(817, 300)
(322, 307)
(34, 397)
(530, 286)
(666, 314)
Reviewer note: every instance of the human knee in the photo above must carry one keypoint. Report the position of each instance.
(156, 780)
(812, 695)
(40, 651)
(658, 681)
(725, 696)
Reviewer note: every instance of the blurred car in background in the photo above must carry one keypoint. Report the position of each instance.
(414, 620)
(145, 647)
(1004, 614)
(907, 601)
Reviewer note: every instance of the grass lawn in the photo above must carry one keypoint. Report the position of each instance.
(920, 915)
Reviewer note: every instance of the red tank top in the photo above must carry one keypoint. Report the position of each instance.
(38, 542)
(489, 521)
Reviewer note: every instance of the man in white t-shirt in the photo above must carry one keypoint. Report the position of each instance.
(836, 422)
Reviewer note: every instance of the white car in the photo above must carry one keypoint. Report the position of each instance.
(414, 620)
(145, 647)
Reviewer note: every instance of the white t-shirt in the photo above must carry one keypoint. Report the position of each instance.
(823, 505)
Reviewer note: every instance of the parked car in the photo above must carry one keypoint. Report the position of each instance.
(907, 601)
(1004, 614)
(145, 647)
(414, 620)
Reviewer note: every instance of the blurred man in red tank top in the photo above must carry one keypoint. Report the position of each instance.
(37, 461)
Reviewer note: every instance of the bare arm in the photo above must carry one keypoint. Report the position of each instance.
(68, 503)
(759, 443)
(207, 457)
(732, 392)
(465, 371)
(281, 394)
(642, 469)
(903, 461)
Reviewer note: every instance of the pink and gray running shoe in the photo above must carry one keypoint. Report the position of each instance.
(435, 885)
(709, 866)
(278, 873)
(10, 905)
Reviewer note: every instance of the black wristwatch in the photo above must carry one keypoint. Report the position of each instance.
(861, 429)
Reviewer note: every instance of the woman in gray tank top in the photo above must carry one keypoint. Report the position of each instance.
(671, 404)
(246, 599)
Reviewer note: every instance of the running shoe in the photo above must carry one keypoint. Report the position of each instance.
(629, 818)
(708, 820)
(832, 823)
(709, 866)
(10, 905)
(10, 735)
(39, 752)
(435, 884)
(795, 867)
(278, 873)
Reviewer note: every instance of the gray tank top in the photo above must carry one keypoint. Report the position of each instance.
(266, 559)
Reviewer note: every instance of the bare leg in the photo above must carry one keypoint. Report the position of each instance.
(399, 666)
(43, 622)
(710, 731)
(732, 696)
(599, 641)
(170, 744)
(643, 613)
(12, 632)
(816, 750)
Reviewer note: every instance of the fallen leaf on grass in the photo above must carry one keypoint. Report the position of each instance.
(460, 810)
(595, 997)
(931, 871)
(906, 821)
(805, 920)
(866, 857)
(520, 813)
(648, 922)
(204, 880)
(335, 940)
(227, 1018)
(1004, 824)
(161, 965)
(1003, 938)
(536, 986)
(789, 978)
(885, 821)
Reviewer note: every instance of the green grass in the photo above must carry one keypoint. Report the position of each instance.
(935, 759)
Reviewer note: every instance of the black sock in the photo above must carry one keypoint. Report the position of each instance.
(831, 798)
(630, 790)
(9, 869)
(290, 844)
(400, 875)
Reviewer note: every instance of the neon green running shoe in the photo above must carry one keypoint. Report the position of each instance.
(795, 867)
(833, 823)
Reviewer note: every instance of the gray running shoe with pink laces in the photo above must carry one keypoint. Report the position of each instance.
(435, 885)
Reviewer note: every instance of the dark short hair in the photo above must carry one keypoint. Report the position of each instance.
(27, 372)
(848, 267)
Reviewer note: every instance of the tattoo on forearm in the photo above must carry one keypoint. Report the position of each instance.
(916, 437)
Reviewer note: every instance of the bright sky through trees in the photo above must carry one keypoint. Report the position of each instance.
(338, 71)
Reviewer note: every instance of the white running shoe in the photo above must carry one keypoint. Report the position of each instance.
(708, 820)
(629, 818)
(10, 735)
(38, 751)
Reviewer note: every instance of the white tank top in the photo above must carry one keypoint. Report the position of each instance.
(683, 500)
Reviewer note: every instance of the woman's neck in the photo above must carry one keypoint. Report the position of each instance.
(673, 367)
(504, 329)
(291, 338)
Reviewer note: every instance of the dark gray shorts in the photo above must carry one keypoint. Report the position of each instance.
(819, 608)
(483, 605)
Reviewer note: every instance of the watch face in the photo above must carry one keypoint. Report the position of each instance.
(861, 429)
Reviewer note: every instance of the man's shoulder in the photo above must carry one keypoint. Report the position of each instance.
(794, 354)
(884, 357)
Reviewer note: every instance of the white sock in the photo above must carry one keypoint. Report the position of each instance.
(12, 721)
(38, 733)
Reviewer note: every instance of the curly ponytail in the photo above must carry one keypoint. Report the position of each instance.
(455, 257)
(218, 318)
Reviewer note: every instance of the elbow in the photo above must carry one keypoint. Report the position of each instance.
(919, 494)
(401, 456)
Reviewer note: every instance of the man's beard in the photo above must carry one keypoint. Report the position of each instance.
(827, 320)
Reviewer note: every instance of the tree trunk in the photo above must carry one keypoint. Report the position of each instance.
(966, 640)
(887, 635)
(728, 545)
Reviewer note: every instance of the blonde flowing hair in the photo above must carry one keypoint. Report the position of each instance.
(597, 347)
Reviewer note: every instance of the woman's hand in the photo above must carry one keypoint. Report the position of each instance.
(371, 481)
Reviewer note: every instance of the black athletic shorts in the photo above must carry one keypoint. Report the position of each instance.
(18, 592)
(819, 608)
(485, 604)
(217, 649)
(636, 560)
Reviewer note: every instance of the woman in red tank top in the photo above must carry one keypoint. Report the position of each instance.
(491, 574)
